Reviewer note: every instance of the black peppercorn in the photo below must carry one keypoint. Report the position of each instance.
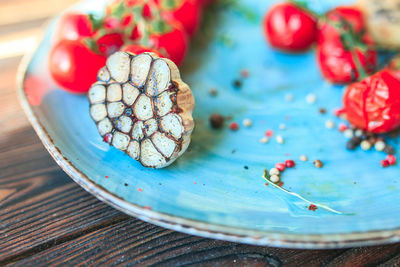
(216, 120)
(389, 150)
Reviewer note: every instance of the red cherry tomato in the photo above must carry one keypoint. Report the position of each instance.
(345, 17)
(138, 49)
(174, 42)
(72, 26)
(110, 43)
(338, 64)
(74, 66)
(289, 28)
(188, 13)
(374, 103)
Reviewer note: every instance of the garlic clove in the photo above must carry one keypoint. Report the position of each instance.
(118, 64)
(163, 104)
(143, 108)
(140, 67)
(149, 156)
(150, 127)
(98, 112)
(115, 109)
(114, 92)
(172, 125)
(104, 75)
(120, 141)
(130, 94)
(97, 94)
(104, 126)
(159, 78)
(164, 144)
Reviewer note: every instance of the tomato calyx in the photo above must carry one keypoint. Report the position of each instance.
(350, 40)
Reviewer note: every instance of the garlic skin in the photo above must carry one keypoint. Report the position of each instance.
(143, 108)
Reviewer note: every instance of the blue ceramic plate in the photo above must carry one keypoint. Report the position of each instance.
(216, 189)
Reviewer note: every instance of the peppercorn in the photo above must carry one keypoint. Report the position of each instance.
(274, 171)
(290, 163)
(353, 143)
(216, 120)
(280, 166)
(234, 126)
(384, 163)
(274, 178)
(380, 145)
(318, 163)
(365, 145)
(389, 150)
(213, 92)
(303, 158)
(322, 110)
(391, 159)
(237, 84)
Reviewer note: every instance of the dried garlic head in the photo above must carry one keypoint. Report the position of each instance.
(142, 107)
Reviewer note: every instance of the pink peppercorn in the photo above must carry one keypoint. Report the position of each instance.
(269, 133)
(290, 163)
(234, 126)
(342, 127)
(107, 138)
(384, 163)
(280, 166)
(391, 159)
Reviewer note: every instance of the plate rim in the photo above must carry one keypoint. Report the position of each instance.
(184, 225)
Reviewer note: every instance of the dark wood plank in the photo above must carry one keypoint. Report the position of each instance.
(133, 242)
(39, 203)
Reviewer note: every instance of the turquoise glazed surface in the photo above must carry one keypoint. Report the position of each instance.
(209, 187)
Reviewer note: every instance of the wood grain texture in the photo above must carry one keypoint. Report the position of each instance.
(48, 220)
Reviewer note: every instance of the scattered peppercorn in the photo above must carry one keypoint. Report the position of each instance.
(342, 127)
(289, 97)
(245, 73)
(303, 158)
(234, 126)
(274, 171)
(216, 120)
(318, 163)
(353, 143)
(365, 145)
(379, 145)
(311, 98)
(389, 150)
(280, 166)
(213, 92)
(384, 163)
(348, 133)
(274, 178)
(246, 167)
(290, 163)
(329, 124)
(269, 133)
(312, 207)
(238, 84)
(247, 123)
(322, 110)
(391, 159)
(126, 184)
(280, 139)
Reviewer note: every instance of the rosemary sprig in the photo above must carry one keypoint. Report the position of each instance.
(322, 206)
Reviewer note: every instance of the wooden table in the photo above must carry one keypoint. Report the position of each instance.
(47, 219)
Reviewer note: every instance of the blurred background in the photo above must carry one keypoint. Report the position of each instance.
(21, 24)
